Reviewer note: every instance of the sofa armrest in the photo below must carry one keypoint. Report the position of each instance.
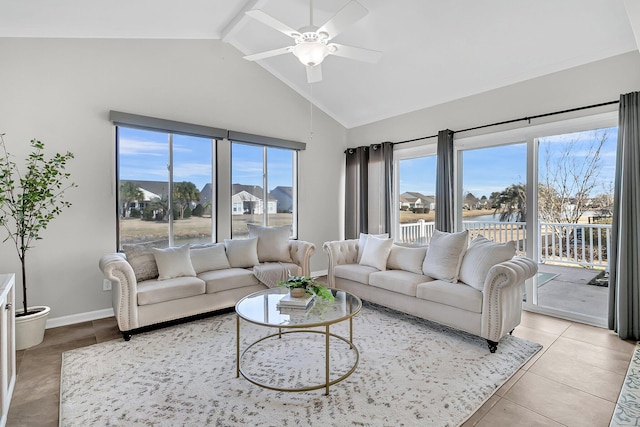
(502, 296)
(301, 252)
(340, 252)
(115, 267)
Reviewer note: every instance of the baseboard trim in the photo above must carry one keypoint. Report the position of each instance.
(79, 318)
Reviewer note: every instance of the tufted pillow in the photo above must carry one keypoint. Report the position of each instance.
(480, 257)
(242, 253)
(173, 262)
(141, 259)
(209, 257)
(273, 242)
(376, 252)
(444, 255)
(406, 258)
(362, 242)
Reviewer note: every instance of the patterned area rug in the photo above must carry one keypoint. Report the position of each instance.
(627, 412)
(411, 372)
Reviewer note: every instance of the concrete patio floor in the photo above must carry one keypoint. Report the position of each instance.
(570, 291)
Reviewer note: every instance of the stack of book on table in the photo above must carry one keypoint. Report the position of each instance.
(288, 302)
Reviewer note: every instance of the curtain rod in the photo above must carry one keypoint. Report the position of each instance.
(528, 119)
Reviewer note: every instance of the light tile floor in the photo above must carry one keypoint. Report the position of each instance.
(573, 381)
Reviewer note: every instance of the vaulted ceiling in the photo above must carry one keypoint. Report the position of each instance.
(433, 51)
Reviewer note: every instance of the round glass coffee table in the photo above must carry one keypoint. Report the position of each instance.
(261, 308)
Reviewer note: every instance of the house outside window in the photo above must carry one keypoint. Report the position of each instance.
(263, 190)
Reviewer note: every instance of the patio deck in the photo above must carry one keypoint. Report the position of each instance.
(570, 291)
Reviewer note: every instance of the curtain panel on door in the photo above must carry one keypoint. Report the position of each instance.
(624, 260)
(368, 192)
(444, 182)
(356, 192)
(380, 187)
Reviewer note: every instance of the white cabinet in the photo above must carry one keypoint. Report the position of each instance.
(7, 344)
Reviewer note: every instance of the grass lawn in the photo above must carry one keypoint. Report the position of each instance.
(135, 230)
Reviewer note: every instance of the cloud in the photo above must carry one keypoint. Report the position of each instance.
(138, 147)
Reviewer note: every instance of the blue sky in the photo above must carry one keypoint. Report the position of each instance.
(493, 169)
(144, 156)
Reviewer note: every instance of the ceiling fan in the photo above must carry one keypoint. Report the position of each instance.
(312, 43)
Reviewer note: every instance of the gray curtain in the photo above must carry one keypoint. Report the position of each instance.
(356, 192)
(383, 153)
(444, 182)
(624, 257)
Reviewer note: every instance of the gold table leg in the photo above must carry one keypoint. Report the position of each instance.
(326, 362)
(237, 346)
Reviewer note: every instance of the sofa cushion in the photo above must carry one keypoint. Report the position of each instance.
(400, 281)
(356, 272)
(273, 242)
(242, 253)
(362, 242)
(452, 294)
(230, 278)
(480, 257)
(209, 257)
(173, 262)
(444, 255)
(406, 258)
(142, 261)
(155, 291)
(376, 252)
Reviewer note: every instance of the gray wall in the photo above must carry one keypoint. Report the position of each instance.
(61, 90)
(585, 85)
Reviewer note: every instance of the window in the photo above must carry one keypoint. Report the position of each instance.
(170, 175)
(164, 188)
(494, 193)
(263, 187)
(415, 189)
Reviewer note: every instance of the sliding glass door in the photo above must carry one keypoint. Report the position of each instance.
(574, 210)
(550, 189)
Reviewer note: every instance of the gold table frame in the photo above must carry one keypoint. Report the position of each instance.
(300, 328)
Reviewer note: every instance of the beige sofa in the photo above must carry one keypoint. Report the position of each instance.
(153, 287)
(476, 287)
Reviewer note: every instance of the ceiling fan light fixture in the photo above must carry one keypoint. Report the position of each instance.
(311, 53)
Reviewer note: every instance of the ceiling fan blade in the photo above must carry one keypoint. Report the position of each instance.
(356, 53)
(314, 73)
(348, 15)
(269, 53)
(272, 22)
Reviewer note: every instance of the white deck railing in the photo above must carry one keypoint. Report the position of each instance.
(576, 244)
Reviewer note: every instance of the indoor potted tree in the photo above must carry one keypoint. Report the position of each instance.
(28, 203)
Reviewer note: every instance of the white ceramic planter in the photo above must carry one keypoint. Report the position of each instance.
(30, 328)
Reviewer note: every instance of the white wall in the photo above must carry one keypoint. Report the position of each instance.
(593, 83)
(61, 90)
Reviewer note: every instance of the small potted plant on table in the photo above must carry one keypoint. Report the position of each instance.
(299, 286)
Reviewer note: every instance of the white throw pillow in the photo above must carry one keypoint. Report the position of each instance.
(406, 258)
(480, 257)
(444, 255)
(273, 242)
(209, 258)
(242, 253)
(173, 262)
(376, 252)
(362, 242)
(142, 261)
